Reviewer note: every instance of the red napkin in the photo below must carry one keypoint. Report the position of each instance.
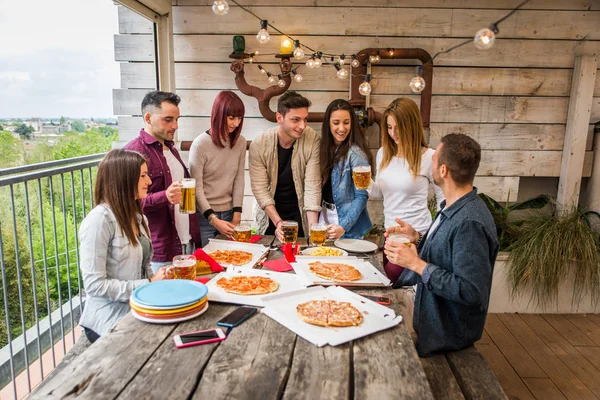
(279, 265)
(253, 239)
(203, 280)
(214, 266)
(290, 252)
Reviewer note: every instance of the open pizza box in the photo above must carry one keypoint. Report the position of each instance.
(258, 250)
(282, 308)
(371, 276)
(287, 283)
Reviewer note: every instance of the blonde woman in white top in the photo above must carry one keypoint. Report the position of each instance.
(404, 171)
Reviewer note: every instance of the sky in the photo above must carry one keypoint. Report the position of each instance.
(57, 58)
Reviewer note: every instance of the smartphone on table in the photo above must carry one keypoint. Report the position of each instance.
(378, 299)
(199, 337)
(237, 316)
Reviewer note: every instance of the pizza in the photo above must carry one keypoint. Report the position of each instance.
(337, 272)
(329, 313)
(248, 285)
(233, 257)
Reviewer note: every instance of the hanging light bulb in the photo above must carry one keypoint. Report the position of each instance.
(342, 60)
(280, 82)
(417, 83)
(262, 70)
(263, 36)
(272, 79)
(355, 63)
(341, 72)
(365, 87)
(310, 63)
(484, 38)
(377, 58)
(220, 7)
(318, 60)
(297, 77)
(251, 58)
(373, 58)
(298, 52)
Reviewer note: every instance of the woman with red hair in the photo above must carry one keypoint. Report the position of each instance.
(217, 159)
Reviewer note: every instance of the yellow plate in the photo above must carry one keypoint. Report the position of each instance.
(172, 311)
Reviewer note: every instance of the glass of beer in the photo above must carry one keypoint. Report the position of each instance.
(242, 233)
(318, 234)
(290, 231)
(362, 177)
(188, 196)
(184, 267)
(399, 238)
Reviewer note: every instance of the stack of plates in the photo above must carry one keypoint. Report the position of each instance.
(169, 301)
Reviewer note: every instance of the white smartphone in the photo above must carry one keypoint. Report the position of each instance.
(200, 337)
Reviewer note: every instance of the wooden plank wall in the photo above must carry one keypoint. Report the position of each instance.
(512, 98)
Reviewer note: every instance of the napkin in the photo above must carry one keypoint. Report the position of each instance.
(279, 265)
(253, 239)
(203, 280)
(214, 266)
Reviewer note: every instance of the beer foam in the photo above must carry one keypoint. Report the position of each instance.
(188, 183)
(365, 168)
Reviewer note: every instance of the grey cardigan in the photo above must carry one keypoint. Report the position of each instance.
(454, 291)
(111, 269)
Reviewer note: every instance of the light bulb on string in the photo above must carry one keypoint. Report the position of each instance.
(220, 7)
(298, 52)
(377, 58)
(280, 82)
(485, 38)
(263, 36)
(355, 63)
(417, 83)
(373, 58)
(310, 63)
(365, 87)
(297, 77)
(341, 72)
(251, 59)
(262, 70)
(272, 79)
(342, 59)
(318, 61)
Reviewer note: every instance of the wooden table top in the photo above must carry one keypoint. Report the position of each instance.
(260, 359)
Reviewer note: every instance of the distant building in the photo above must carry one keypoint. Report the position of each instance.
(48, 128)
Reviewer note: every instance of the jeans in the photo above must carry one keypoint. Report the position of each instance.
(208, 231)
(187, 248)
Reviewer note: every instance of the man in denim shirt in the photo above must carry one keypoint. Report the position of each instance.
(452, 264)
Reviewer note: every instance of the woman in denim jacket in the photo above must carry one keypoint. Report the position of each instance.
(343, 146)
(115, 245)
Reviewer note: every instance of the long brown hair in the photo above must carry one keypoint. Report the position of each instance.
(227, 104)
(330, 154)
(117, 184)
(411, 138)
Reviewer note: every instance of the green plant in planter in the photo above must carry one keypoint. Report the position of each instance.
(507, 229)
(551, 249)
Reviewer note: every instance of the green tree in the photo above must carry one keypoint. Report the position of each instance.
(24, 131)
(107, 131)
(74, 145)
(78, 125)
(62, 120)
(11, 150)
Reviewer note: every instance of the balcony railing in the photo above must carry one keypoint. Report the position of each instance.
(41, 288)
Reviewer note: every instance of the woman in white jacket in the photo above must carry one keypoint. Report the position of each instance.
(115, 245)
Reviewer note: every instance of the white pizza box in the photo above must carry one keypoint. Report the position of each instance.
(258, 250)
(287, 283)
(371, 276)
(282, 308)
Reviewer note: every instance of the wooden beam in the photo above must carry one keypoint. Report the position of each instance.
(140, 9)
(162, 7)
(592, 198)
(165, 54)
(578, 119)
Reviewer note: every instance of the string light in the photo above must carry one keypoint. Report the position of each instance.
(485, 38)
(220, 7)
(272, 79)
(311, 62)
(263, 36)
(373, 58)
(280, 82)
(342, 60)
(262, 70)
(297, 77)
(298, 52)
(365, 87)
(355, 63)
(417, 83)
(341, 72)
(318, 60)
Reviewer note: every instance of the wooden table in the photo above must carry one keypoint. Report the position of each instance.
(260, 359)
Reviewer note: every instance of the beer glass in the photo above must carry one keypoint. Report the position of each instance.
(188, 196)
(242, 233)
(362, 177)
(290, 231)
(318, 234)
(399, 238)
(184, 267)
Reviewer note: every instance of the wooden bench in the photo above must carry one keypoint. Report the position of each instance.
(462, 374)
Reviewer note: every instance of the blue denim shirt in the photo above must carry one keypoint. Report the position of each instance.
(351, 203)
(454, 291)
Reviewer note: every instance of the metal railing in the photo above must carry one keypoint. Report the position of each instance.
(42, 207)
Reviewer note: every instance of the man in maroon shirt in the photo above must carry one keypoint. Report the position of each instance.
(173, 233)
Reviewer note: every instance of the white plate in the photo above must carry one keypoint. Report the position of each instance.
(257, 250)
(371, 277)
(356, 245)
(170, 320)
(308, 252)
(287, 283)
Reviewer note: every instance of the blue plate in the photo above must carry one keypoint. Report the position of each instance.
(169, 293)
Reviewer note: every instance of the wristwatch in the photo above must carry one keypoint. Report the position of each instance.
(211, 219)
